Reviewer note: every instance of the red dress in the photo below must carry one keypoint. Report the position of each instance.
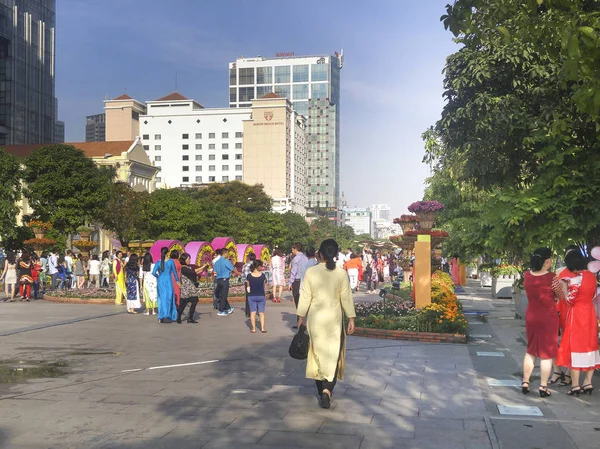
(541, 318)
(579, 345)
(562, 305)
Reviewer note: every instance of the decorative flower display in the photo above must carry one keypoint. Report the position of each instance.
(228, 244)
(504, 270)
(40, 224)
(433, 233)
(406, 219)
(244, 251)
(426, 206)
(263, 254)
(170, 244)
(40, 242)
(84, 244)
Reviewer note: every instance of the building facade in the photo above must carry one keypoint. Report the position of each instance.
(123, 118)
(193, 145)
(275, 152)
(59, 131)
(358, 219)
(95, 128)
(312, 84)
(27, 71)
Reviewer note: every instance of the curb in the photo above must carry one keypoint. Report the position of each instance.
(425, 337)
(111, 301)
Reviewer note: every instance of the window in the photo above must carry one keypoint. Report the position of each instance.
(211, 168)
(198, 146)
(301, 73)
(238, 146)
(158, 179)
(319, 72)
(211, 157)
(225, 146)
(282, 74)
(185, 168)
(198, 157)
(186, 179)
(238, 157)
(157, 158)
(247, 76)
(283, 91)
(261, 91)
(211, 146)
(146, 147)
(239, 135)
(156, 136)
(185, 147)
(185, 136)
(224, 135)
(232, 94)
(232, 77)
(157, 147)
(211, 135)
(198, 135)
(246, 94)
(318, 91)
(300, 91)
(225, 167)
(198, 178)
(225, 157)
(238, 167)
(238, 178)
(198, 167)
(185, 158)
(146, 137)
(264, 75)
(211, 179)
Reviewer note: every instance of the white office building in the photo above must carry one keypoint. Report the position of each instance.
(358, 219)
(383, 229)
(380, 212)
(191, 144)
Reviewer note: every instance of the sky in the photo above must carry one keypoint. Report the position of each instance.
(391, 82)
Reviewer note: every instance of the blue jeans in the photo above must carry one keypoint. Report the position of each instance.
(222, 291)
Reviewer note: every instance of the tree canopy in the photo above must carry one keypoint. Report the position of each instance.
(10, 194)
(125, 212)
(516, 154)
(65, 187)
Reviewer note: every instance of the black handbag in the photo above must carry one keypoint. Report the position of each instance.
(299, 347)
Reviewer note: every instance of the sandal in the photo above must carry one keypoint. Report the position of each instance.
(564, 383)
(574, 391)
(253, 331)
(561, 377)
(544, 392)
(525, 389)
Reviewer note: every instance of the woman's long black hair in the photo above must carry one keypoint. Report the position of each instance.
(538, 258)
(132, 263)
(163, 254)
(147, 262)
(329, 249)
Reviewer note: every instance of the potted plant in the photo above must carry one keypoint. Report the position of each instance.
(84, 232)
(485, 275)
(39, 228)
(503, 277)
(426, 212)
(406, 222)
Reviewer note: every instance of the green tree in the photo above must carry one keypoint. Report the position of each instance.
(237, 194)
(125, 212)
(295, 229)
(65, 187)
(10, 194)
(516, 151)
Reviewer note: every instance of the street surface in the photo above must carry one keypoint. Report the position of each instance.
(251, 394)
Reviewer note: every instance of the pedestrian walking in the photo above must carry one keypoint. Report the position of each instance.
(176, 287)
(277, 274)
(25, 277)
(164, 271)
(119, 275)
(80, 271)
(189, 289)
(132, 283)
(223, 269)
(9, 274)
(246, 270)
(149, 286)
(354, 269)
(256, 282)
(324, 298)
(298, 267)
(541, 319)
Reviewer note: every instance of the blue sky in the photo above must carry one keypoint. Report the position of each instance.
(394, 51)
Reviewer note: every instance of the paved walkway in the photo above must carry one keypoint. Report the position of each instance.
(251, 394)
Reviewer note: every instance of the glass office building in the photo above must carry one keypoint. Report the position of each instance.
(27, 44)
(312, 84)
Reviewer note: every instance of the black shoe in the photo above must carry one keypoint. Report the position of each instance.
(589, 390)
(560, 378)
(544, 392)
(325, 400)
(294, 327)
(178, 320)
(574, 391)
(192, 321)
(525, 387)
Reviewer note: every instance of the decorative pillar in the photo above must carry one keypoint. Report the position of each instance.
(462, 274)
(422, 271)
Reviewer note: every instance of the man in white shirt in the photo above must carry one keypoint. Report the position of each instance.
(94, 271)
(53, 269)
(69, 262)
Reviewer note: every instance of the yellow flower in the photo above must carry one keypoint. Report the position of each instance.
(441, 321)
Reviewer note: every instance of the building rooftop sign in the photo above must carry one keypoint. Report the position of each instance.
(284, 55)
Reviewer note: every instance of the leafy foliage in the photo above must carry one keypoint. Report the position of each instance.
(65, 187)
(10, 194)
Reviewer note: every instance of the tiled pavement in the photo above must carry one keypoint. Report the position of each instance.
(395, 394)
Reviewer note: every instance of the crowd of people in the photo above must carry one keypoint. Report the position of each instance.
(561, 323)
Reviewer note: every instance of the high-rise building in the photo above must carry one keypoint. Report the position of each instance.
(95, 128)
(275, 152)
(380, 212)
(312, 84)
(59, 131)
(27, 45)
(358, 219)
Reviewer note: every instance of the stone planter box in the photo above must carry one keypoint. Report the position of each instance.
(427, 337)
(520, 299)
(485, 278)
(472, 273)
(502, 287)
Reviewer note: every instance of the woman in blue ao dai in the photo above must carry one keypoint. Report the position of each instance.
(165, 271)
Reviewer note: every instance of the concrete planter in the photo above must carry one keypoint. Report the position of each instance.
(426, 337)
(520, 299)
(502, 287)
(472, 273)
(486, 279)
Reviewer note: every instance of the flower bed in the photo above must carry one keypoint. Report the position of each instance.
(443, 316)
